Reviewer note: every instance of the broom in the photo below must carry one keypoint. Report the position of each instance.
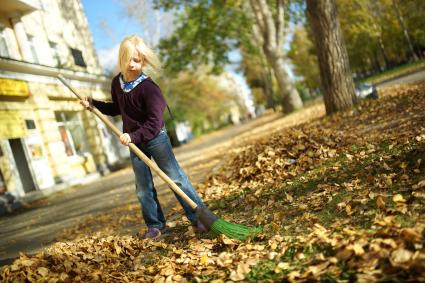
(211, 221)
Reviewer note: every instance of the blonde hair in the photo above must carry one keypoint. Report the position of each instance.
(135, 43)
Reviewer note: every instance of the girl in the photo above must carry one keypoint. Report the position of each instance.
(139, 101)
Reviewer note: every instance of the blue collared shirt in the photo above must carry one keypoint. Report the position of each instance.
(128, 86)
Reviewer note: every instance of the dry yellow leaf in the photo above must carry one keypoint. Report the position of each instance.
(400, 257)
(203, 259)
(239, 273)
(316, 270)
(281, 266)
(43, 271)
(398, 198)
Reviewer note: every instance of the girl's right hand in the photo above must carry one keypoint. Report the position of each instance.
(87, 102)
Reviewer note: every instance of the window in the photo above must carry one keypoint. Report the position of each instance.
(30, 124)
(71, 131)
(4, 51)
(78, 57)
(32, 48)
(55, 53)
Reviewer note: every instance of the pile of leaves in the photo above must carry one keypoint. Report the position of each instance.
(339, 198)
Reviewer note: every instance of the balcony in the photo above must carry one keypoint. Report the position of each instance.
(18, 7)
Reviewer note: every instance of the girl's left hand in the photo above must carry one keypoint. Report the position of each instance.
(125, 139)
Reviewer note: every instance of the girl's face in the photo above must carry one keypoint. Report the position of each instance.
(135, 65)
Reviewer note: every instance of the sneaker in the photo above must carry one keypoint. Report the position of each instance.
(199, 227)
(152, 233)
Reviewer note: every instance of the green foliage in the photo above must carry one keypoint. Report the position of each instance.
(304, 59)
(207, 31)
(199, 98)
(373, 34)
(259, 77)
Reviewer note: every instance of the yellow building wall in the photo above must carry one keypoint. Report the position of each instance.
(40, 106)
(11, 179)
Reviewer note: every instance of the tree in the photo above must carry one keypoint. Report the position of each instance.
(303, 56)
(374, 35)
(336, 80)
(200, 98)
(269, 31)
(258, 77)
(209, 30)
(414, 11)
(362, 24)
(403, 27)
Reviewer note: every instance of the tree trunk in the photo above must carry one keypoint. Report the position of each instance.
(377, 64)
(266, 76)
(384, 54)
(291, 99)
(404, 30)
(335, 74)
(268, 87)
(269, 32)
(376, 16)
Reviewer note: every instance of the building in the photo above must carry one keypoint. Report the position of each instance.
(46, 138)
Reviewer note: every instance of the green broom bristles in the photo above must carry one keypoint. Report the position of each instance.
(234, 231)
(219, 226)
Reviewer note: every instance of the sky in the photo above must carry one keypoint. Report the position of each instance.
(109, 24)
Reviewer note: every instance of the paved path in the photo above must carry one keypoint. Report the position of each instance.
(408, 79)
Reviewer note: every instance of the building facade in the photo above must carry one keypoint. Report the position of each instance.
(46, 138)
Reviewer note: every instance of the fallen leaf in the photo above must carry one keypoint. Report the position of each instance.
(419, 185)
(281, 266)
(398, 198)
(400, 257)
(240, 272)
(43, 271)
(410, 235)
(380, 202)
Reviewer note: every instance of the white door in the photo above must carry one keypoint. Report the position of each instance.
(39, 165)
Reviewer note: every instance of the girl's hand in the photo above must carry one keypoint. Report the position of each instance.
(87, 103)
(125, 139)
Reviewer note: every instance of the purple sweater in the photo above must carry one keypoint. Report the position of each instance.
(142, 109)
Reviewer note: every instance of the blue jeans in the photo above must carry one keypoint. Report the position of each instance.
(159, 148)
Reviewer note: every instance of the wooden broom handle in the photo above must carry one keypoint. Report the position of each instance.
(135, 149)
